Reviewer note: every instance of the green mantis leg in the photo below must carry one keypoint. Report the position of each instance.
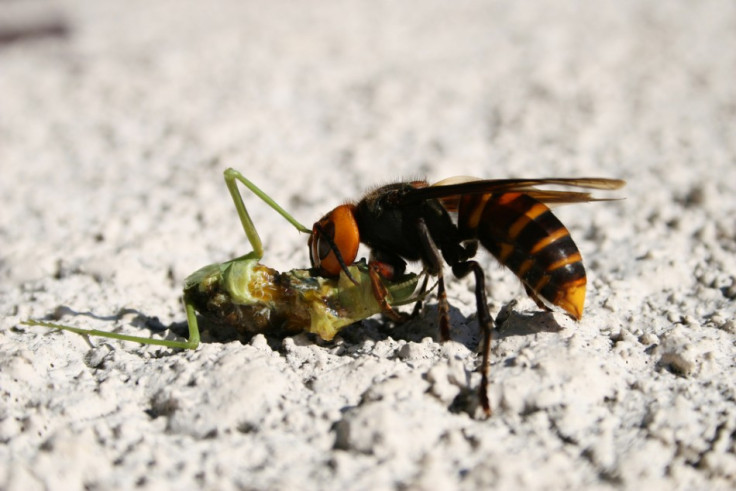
(190, 343)
(231, 176)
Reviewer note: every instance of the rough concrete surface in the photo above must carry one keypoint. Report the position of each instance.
(117, 119)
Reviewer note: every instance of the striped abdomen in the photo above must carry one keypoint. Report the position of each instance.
(524, 235)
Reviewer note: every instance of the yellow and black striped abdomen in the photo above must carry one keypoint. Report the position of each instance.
(524, 235)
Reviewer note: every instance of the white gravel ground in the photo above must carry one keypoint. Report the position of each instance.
(114, 132)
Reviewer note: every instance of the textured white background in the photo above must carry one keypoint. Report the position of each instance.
(112, 145)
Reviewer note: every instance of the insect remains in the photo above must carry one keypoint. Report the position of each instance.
(253, 298)
(411, 221)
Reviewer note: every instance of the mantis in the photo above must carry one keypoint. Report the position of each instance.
(244, 294)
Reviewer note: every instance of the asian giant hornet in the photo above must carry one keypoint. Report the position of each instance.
(410, 221)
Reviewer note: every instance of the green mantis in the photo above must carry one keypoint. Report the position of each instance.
(253, 298)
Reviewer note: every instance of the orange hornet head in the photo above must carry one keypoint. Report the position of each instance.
(334, 241)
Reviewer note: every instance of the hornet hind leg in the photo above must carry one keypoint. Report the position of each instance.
(485, 321)
(461, 269)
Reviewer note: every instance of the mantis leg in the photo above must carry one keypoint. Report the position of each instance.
(190, 343)
(231, 176)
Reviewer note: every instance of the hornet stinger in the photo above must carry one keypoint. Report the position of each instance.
(410, 221)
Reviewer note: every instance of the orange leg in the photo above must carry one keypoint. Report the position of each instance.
(381, 293)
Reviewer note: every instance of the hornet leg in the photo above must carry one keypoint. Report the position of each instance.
(484, 321)
(434, 259)
(380, 292)
(388, 266)
(536, 298)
